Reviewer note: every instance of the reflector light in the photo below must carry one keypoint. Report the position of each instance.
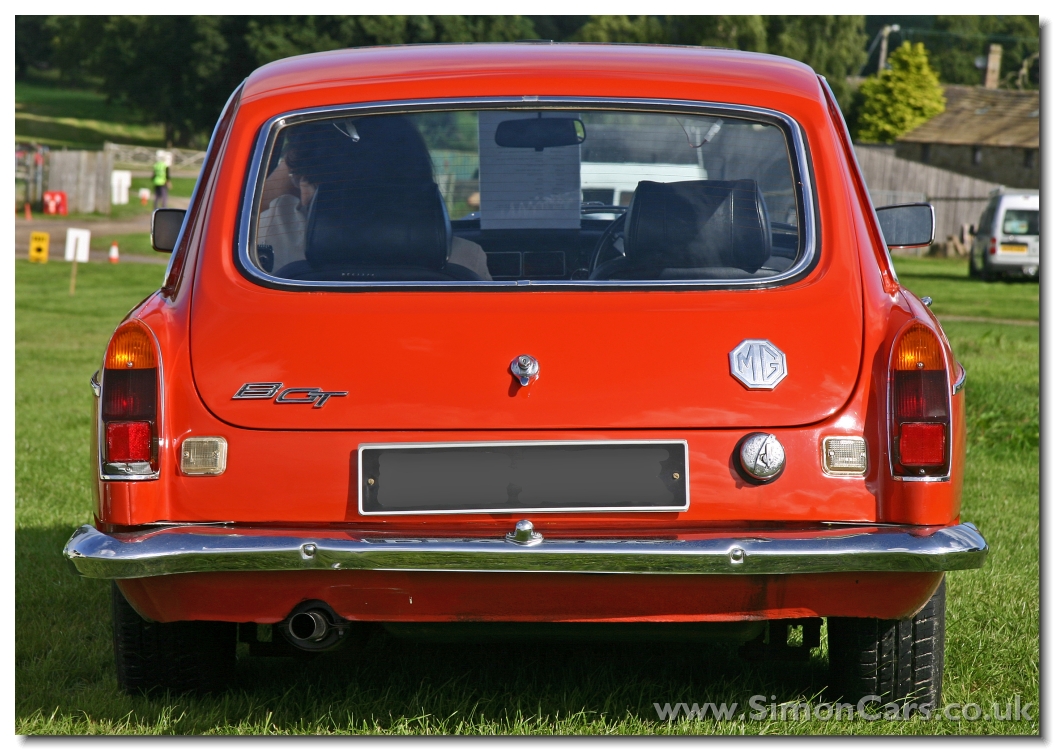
(131, 348)
(128, 441)
(922, 444)
(203, 456)
(845, 455)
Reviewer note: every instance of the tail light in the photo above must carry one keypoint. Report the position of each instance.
(128, 403)
(920, 404)
(993, 245)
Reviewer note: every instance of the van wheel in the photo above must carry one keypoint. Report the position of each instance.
(974, 274)
(987, 274)
(177, 656)
(900, 660)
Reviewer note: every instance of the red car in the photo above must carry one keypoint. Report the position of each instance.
(553, 339)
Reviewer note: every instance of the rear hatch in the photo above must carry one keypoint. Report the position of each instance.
(721, 201)
(431, 361)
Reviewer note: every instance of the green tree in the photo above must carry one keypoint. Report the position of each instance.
(730, 32)
(899, 99)
(179, 70)
(32, 44)
(833, 46)
(627, 29)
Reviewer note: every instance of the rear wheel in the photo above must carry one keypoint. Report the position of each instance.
(974, 273)
(176, 656)
(901, 661)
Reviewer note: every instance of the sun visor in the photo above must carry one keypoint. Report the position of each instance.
(533, 179)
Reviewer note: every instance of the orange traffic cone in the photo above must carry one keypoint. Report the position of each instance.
(115, 255)
(29, 213)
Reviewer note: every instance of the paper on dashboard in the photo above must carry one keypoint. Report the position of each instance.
(521, 188)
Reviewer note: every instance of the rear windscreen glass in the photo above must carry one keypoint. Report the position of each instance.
(527, 196)
(1018, 221)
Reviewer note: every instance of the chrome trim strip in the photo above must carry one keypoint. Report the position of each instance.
(269, 131)
(195, 550)
(96, 386)
(521, 511)
(960, 381)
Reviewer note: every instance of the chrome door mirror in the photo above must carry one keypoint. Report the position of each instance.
(164, 228)
(907, 225)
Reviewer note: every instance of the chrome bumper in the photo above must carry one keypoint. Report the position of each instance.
(201, 549)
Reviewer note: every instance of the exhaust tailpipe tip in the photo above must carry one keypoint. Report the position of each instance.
(311, 626)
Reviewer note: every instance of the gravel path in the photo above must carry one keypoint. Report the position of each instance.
(101, 226)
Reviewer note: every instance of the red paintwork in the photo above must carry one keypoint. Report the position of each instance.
(529, 597)
(217, 330)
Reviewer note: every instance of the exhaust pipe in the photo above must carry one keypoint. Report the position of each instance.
(311, 626)
(314, 626)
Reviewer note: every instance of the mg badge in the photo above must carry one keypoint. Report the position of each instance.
(758, 365)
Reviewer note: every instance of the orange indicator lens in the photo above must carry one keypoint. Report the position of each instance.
(131, 348)
(918, 349)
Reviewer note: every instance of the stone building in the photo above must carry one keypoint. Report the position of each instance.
(987, 134)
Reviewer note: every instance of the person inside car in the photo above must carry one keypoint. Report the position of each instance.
(368, 150)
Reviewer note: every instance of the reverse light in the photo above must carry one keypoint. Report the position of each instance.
(203, 456)
(920, 406)
(844, 456)
(128, 403)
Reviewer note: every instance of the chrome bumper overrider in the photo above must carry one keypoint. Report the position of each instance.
(200, 549)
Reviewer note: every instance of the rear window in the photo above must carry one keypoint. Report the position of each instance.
(1020, 221)
(519, 196)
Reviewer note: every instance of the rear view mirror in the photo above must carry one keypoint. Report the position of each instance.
(164, 228)
(907, 225)
(540, 133)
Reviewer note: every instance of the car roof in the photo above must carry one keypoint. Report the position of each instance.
(540, 62)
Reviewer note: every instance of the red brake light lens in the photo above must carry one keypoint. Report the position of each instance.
(920, 405)
(922, 444)
(128, 441)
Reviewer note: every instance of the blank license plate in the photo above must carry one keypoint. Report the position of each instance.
(517, 477)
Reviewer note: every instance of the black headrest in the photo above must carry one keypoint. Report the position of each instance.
(698, 224)
(378, 225)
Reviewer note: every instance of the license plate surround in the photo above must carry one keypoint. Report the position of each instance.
(594, 454)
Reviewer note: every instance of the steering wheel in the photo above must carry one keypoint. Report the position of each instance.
(606, 243)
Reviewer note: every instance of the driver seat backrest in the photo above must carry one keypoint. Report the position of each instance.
(672, 226)
(387, 230)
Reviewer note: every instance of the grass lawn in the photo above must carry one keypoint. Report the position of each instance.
(64, 663)
(954, 293)
(77, 118)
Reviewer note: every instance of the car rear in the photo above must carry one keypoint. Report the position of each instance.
(381, 401)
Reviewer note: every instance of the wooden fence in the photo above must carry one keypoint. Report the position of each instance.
(185, 162)
(956, 199)
(85, 178)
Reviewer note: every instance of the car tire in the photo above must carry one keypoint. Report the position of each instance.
(974, 273)
(902, 661)
(986, 273)
(177, 656)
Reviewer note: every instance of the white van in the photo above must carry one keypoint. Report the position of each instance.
(1006, 240)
